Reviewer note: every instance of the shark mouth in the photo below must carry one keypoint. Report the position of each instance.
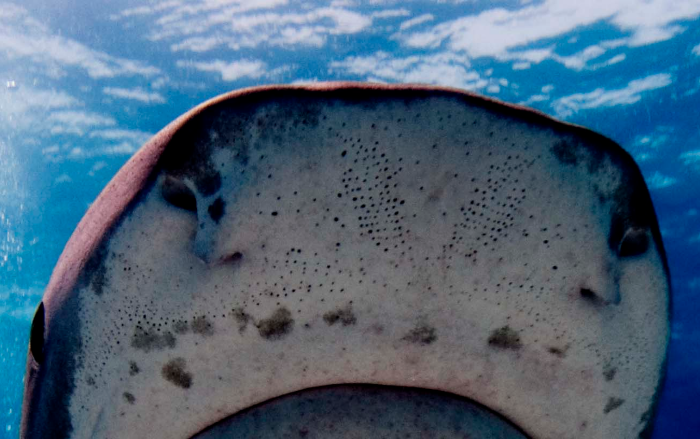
(365, 411)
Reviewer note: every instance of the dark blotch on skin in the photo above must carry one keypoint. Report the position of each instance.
(130, 398)
(133, 368)
(95, 270)
(216, 209)
(505, 338)
(609, 373)
(559, 352)
(242, 318)
(174, 371)
(149, 340)
(180, 327)
(343, 315)
(422, 334)
(277, 326)
(176, 193)
(202, 326)
(99, 279)
(565, 153)
(612, 404)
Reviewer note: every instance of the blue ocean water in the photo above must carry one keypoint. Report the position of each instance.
(84, 84)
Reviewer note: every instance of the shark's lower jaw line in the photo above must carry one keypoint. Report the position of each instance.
(363, 411)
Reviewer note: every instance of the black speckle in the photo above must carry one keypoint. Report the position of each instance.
(612, 404)
(149, 340)
(174, 371)
(133, 368)
(216, 209)
(274, 213)
(343, 315)
(202, 326)
(505, 338)
(130, 398)
(277, 326)
(422, 334)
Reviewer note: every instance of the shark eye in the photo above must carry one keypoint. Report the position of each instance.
(36, 337)
(176, 192)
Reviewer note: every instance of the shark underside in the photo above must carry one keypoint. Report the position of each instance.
(338, 259)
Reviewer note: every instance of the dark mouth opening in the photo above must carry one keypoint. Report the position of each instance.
(365, 411)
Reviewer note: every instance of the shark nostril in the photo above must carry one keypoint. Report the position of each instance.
(231, 258)
(634, 242)
(178, 194)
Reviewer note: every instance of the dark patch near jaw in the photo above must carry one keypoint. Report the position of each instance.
(422, 334)
(216, 209)
(174, 371)
(276, 326)
(151, 340)
(505, 338)
(342, 315)
(202, 326)
(129, 397)
(133, 368)
(612, 404)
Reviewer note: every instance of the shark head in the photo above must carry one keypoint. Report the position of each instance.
(327, 251)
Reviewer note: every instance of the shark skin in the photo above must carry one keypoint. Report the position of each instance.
(283, 239)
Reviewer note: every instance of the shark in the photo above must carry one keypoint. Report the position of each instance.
(358, 260)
